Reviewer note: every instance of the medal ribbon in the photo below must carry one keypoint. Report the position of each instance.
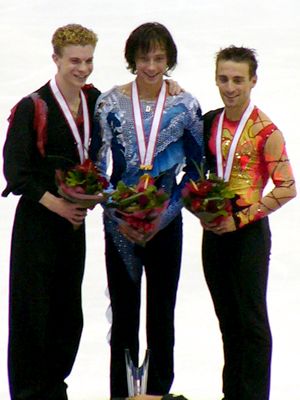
(81, 147)
(237, 135)
(146, 150)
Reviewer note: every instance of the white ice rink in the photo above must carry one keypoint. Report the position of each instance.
(199, 28)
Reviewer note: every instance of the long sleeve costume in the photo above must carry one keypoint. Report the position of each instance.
(236, 263)
(47, 254)
(179, 143)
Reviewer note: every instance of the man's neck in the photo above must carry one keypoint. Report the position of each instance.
(70, 93)
(149, 92)
(235, 113)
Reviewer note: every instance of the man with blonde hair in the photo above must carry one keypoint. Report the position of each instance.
(48, 130)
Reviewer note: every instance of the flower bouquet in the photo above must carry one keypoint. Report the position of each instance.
(207, 198)
(139, 207)
(82, 184)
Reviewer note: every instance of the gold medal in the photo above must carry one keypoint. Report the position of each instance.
(147, 147)
(146, 167)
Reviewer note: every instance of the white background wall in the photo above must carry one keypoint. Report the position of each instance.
(199, 28)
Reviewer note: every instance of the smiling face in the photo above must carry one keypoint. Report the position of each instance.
(151, 66)
(74, 65)
(235, 85)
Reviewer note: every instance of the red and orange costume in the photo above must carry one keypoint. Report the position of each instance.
(236, 263)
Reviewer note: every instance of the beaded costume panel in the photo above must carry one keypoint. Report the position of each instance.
(179, 144)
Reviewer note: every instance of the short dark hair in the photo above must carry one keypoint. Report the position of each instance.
(144, 38)
(239, 54)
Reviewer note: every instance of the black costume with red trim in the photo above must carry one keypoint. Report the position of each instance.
(47, 254)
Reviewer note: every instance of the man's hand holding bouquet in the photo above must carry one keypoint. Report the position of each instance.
(208, 198)
(83, 186)
(138, 208)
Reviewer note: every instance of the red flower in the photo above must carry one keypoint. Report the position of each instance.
(203, 188)
(143, 201)
(207, 198)
(82, 184)
(86, 166)
(144, 181)
(139, 206)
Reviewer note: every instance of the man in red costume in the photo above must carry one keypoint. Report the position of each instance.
(245, 149)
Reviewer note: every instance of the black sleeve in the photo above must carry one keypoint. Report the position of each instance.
(20, 154)
(208, 119)
(96, 141)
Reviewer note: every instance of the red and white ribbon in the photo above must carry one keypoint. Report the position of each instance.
(147, 149)
(81, 146)
(226, 174)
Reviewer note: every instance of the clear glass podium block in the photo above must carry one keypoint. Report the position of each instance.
(137, 377)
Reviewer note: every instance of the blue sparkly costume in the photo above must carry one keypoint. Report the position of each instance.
(179, 144)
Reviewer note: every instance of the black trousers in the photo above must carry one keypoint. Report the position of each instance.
(45, 315)
(236, 270)
(161, 258)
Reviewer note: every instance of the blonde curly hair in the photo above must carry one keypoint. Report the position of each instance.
(72, 34)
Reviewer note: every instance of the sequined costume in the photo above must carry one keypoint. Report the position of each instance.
(47, 254)
(179, 142)
(237, 273)
(260, 154)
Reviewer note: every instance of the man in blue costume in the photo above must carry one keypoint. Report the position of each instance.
(147, 130)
